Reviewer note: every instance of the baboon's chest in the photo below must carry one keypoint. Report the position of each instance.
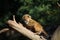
(30, 26)
(30, 23)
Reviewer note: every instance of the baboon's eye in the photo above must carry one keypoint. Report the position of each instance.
(27, 16)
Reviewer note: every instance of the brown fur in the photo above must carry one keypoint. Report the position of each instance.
(32, 24)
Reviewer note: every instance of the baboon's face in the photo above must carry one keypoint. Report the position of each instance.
(26, 17)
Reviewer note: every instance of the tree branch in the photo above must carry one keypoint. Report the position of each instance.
(58, 4)
(4, 30)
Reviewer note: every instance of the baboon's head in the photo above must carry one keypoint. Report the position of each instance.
(26, 17)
